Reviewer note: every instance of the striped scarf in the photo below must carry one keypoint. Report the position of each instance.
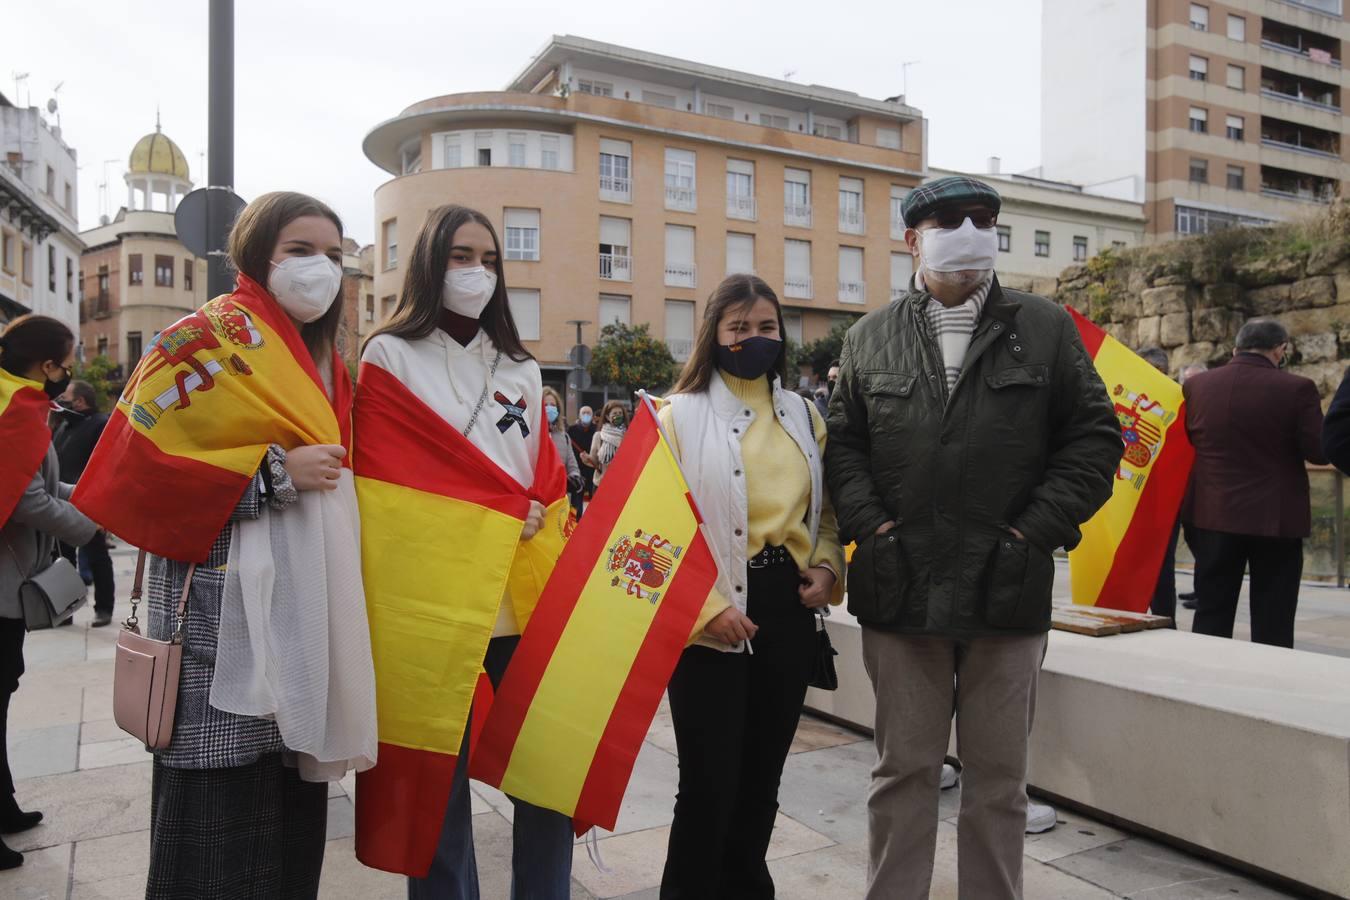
(953, 326)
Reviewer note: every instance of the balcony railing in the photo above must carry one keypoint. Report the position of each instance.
(798, 287)
(614, 187)
(851, 221)
(685, 199)
(616, 268)
(1325, 7)
(1302, 101)
(740, 206)
(680, 348)
(1319, 57)
(1325, 196)
(1295, 148)
(681, 275)
(852, 291)
(798, 214)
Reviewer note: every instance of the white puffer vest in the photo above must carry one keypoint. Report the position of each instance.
(708, 428)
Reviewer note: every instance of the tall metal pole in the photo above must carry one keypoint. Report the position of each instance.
(220, 143)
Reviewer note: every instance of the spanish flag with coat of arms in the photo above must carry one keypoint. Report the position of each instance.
(196, 417)
(1116, 564)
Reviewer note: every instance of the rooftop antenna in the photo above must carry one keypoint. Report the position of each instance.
(787, 76)
(104, 201)
(904, 77)
(52, 107)
(19, 78)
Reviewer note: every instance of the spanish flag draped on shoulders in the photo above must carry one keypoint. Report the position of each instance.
(23, 434)
(451, 447)
(196, 417)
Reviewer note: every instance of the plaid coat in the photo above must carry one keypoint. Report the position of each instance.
(203, 736)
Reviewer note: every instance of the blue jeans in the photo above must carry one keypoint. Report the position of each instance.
(541, 839)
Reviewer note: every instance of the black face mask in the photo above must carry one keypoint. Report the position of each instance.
(751, 358)
(55, 389)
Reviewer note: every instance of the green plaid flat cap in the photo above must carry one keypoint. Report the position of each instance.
(925, 199)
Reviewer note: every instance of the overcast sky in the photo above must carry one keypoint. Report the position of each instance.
(314, 76)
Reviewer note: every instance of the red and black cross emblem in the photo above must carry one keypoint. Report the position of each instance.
(515, 414)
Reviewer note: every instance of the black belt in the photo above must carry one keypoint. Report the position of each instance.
(770, 557)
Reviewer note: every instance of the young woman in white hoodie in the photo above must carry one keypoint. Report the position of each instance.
(452, 343)
(752, 451)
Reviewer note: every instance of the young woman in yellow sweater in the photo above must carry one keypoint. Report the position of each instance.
(752, 453)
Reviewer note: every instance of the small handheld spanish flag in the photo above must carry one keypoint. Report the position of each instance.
(23, 434)
(1117, 563)
(575, 704)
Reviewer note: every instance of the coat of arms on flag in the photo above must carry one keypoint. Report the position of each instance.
(643, 562)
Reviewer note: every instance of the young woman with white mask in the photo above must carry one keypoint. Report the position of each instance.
(452, 346)
(240, 412)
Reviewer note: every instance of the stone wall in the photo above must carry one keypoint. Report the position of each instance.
(1190, 297)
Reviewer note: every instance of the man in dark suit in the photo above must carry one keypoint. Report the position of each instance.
(1254, 427)
(75, 440)
(1336, 428)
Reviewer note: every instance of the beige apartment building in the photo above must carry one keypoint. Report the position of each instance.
(135, 277)
(1211, 113)
(626, 185)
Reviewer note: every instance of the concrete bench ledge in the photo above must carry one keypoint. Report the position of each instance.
(1238, 749)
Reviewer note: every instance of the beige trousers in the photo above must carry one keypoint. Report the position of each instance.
(919, 681)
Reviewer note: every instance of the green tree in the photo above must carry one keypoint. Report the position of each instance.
(98, 372)
(627, 356)
(818, 354)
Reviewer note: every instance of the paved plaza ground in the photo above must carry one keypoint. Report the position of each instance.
(93, 782)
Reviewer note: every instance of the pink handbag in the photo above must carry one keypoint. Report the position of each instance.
(145, 672)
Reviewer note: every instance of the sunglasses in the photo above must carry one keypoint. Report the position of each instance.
(954, 218)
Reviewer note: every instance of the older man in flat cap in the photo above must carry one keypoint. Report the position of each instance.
(969, 438)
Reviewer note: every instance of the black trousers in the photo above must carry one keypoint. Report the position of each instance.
(95, 556)
(1276, 567)
(12, 633)
(735, 715)
(1165, 593)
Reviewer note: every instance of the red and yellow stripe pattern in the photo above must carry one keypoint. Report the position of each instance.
(24, 435)
(196, 417)
(1117, 563)
(571, 713)
(440, 535)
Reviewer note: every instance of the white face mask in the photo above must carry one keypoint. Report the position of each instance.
(958, 249)
(305, 286)
(467, 291)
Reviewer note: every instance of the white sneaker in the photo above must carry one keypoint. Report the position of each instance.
(1040, 818)
(949, 777)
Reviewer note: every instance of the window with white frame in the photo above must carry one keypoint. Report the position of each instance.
(851, 286)
(482, 143)
(680, 328)
(680, 179)
(524, 304)
(774, 121)
(889, 138)
(1199, 170)
(1199, 120)
(720, 110)
(616, 309)
(851, 205)
(1237, 28)
(680, 270)
(1236, 128)
(391, 243)
(1237, 78)
(1042, 243)
(1236, 178)
(1199, 17)
(453, 156)
(792, 327)
(797, 269)
(657, 98)
(515, 149)
(740, 189)
(902, 270)
(1004, 238)
(615, 162)
(1080, 248)
(598, 88)
(740, 253)
(522, 234)
(1199, 67)
(897, 215)
(548, 151)
(615, 236)
(797, 197)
